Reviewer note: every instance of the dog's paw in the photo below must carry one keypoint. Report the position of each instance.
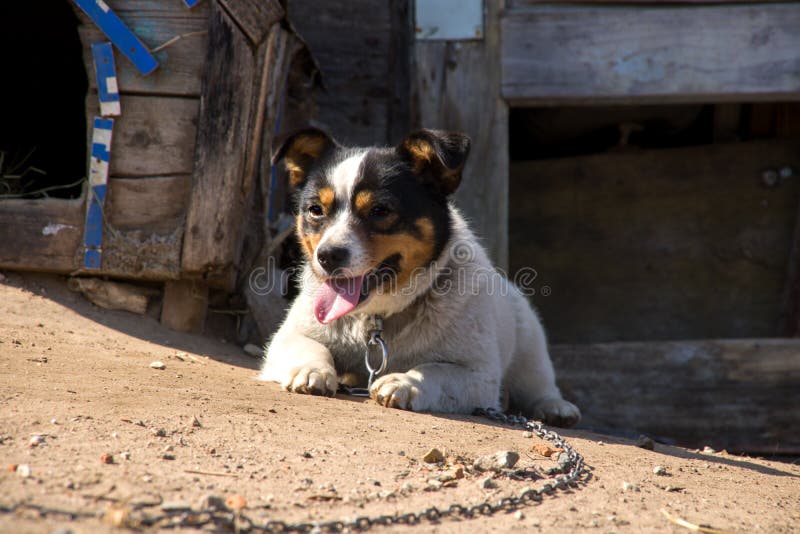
(312, 380)
(556, 412)
(396, 390)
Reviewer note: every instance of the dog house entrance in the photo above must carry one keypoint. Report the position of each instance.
(42, 115)
(657, 222)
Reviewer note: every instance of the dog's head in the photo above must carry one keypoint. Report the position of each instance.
(371, 219)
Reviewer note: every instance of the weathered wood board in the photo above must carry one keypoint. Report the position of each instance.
(152, 205)
(142, 237)
(217, 207)
(740, 395)
(359, 51)
(255, 17)
(41, 235)
(681, 243)
(155, 136)
(155, 22)
(456, 87)
(569, 54)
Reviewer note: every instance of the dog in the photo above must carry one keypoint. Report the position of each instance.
(382, 238)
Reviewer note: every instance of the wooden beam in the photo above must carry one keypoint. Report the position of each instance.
(185, 305)
(216, 211)
(556, 55)
(42, 235)
(254, 17)
(457, 87)
(736, 394)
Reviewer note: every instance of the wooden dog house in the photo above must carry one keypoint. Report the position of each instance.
(187, 180)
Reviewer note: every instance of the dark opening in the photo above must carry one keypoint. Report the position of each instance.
(42, 93)
(657, 222)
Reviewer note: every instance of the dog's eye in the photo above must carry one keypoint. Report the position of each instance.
(379, 211)
(315, 210)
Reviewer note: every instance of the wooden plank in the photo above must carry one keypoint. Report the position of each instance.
(680, 243)
(155, 136)
(523, 3)
(352, 41)
(98, 184)
(143, 241)
(457, 88)
(152, 205)
(106, 79)
(740, 395)
(185, 305)
(214, 223)
(254, 17)
(118, 32)
(41, 235)
(155, 22)
(568, 54)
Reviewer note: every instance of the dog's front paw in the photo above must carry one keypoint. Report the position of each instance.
(396, 390)
(557, 412)
(311, 379)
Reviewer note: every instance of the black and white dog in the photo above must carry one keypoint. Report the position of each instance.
(382, 239)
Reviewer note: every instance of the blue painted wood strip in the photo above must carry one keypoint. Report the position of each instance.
(107, 89)
(98, 180)
(120, 35)
(191, 3)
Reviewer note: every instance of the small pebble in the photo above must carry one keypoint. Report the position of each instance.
(708, 450)
(168, 457)
(236, 502)
(497, 461)
(196, 422)
(36, 441)
(53, 421)
(24, 470)
(629, 486)
(106, 458)
(125, 455)
(253, 350)
(527, 434)
(519, 516)
(159, 432)
(487, 483)
(660, 470)
(158, 365)
(433, 456)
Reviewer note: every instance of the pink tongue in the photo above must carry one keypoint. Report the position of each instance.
(337, 297)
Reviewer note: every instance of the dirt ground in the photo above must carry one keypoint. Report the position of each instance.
(76, 384)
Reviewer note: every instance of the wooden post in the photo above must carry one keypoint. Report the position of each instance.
(457, 87)
(185, 305)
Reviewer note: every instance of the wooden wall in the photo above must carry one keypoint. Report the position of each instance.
(668, 53)
(685, 243)
(362, 47)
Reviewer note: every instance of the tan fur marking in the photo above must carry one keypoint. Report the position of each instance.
(309, 241)
(421, 152)
(304, 149)
(417, 252)
(363, 202)
(326, 196)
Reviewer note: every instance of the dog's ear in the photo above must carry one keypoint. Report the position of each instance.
(300, 150)
(436, 157)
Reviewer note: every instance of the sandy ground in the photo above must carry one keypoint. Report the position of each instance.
(76, 380)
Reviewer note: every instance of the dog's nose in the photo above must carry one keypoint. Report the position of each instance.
(332, 258)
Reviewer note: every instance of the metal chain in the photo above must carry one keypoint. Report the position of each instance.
(570, 461)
